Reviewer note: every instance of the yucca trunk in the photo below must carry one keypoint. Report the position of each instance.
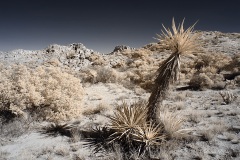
(167, 74)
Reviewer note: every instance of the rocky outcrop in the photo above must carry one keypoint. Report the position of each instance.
(121, 48)
(74, 56)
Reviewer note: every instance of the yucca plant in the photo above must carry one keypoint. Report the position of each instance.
(97, 137)
(57, 129)
(150, 134)
(180, 42)
(127, 119)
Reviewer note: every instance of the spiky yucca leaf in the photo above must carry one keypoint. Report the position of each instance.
(173, 123)
(179, 40)
(150, 134)
(97, 137)
(127, 118)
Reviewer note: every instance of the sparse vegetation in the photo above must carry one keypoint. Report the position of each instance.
(200, 82)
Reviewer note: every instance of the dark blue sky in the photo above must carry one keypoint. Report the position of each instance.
(103, 24)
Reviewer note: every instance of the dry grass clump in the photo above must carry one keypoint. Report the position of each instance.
(48, 92)
(200, 82)
(173, 124)
(107, 75)
(101, 74)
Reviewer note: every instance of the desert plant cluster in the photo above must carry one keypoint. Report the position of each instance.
(48, 92)
(174, 99)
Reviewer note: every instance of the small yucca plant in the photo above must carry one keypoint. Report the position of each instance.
(150, 134)
(57, 129)
(126, 119)
(97, 137)
(179, 41)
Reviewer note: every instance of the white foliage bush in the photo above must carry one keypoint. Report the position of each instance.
(48, 91)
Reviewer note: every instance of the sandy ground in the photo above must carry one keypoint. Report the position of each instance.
(204, 111)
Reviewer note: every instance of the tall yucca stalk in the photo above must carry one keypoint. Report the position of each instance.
(179, 41)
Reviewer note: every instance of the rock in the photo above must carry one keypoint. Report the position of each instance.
(222, 137)
(235, 141)
(121, 48)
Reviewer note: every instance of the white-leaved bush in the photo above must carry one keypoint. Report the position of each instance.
(49, 92)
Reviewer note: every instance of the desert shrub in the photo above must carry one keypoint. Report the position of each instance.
(233, 65)
(143, 78)
(106, 75)
(96, 59)
(137, 53)
(88, 75)
(47, 91)
(211, 60)
(200, 81)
